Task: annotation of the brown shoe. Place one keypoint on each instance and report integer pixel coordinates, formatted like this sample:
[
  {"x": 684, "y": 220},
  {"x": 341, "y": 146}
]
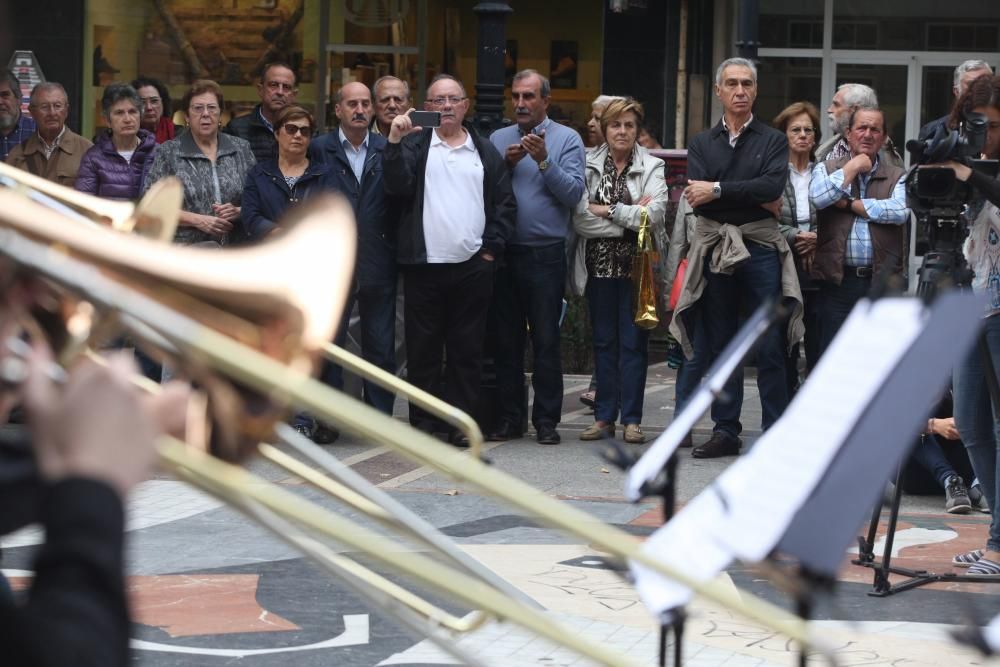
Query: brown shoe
[
  {"x": 633, "y": 434},
  {"x": 720, "y": 444},
  {"x": 597, "y": 431}
]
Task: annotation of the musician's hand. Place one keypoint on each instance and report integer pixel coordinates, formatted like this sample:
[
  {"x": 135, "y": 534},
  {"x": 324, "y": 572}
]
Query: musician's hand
[{"x": 96, "y": 426}]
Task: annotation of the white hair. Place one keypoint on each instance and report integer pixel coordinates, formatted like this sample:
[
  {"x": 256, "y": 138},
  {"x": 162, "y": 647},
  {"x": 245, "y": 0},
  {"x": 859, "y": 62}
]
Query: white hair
[
  {"x": 858, "y": 95},
  {"x": 970, "y": 66},
  {"x": 601, "y": 101},
  {"x": 735, "y": 62}
]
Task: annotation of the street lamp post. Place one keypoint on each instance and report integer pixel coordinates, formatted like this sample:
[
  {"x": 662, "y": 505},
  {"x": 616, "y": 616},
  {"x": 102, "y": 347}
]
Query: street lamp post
[{"x": 491, "y": 47}]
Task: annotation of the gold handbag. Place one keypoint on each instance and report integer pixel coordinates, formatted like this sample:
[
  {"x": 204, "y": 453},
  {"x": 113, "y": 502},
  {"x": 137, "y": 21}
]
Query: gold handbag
[{"x": 643, "y": 283}]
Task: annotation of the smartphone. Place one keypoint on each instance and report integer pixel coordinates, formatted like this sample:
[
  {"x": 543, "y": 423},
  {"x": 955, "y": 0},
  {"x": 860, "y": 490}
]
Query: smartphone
[{"x": 426, "y": 118}]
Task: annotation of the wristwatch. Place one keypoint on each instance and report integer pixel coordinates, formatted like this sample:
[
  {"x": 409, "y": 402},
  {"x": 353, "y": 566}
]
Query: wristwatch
[
  {"x": 716, "y": 190},
  {"x": 543, "y": 165}
]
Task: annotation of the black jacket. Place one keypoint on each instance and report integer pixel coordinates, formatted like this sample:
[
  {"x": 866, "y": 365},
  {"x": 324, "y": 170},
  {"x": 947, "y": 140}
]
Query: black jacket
[
  {"x": 404, "y": 165},
  {"x": 250, "y": 127},
  {"x": 266, "y": 195},
  {"x": 377, "y": 214}
]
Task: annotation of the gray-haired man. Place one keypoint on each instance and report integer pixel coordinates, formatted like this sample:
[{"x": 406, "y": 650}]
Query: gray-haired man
[
  {"x": 965, "y": 74},
  {"x": 849, "y": 98}
]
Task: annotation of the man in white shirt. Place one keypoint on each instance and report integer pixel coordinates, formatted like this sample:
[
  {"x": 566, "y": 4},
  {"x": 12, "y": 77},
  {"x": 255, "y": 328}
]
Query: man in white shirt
[{"x": 458, "y": 211}]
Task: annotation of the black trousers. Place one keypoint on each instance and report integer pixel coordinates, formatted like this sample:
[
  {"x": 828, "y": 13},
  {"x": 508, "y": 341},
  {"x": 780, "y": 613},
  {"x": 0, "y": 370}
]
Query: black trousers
[{"x": 445, "y": 307}]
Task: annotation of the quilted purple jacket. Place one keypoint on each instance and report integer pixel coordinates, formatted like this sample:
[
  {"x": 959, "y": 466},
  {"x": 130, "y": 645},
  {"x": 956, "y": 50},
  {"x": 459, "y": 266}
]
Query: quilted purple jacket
[{"x": 105, "y": 173}]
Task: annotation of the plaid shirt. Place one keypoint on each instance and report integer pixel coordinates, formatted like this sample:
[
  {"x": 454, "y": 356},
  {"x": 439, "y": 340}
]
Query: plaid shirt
[
  {"x": 826, "y": 189},
  {"x": 25, "y": 128}
]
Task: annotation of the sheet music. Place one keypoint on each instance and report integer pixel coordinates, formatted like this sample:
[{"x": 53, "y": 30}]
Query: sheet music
[{"x": 755, "y": 499}]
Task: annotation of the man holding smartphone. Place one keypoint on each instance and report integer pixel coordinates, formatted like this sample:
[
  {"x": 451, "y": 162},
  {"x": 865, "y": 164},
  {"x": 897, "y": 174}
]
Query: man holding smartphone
[
  {"x": 458, "y": 211},
  {"x": 546, "y": 162}
]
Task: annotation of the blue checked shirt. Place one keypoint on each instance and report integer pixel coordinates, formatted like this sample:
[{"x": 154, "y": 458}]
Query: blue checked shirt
[
  {"x": 24, "y": 129},
  {"x": 826, "y": 189}
]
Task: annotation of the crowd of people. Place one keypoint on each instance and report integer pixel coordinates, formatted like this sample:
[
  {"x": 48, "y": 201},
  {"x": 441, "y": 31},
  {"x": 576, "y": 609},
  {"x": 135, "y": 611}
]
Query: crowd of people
[{"x": 494, "y": 231}]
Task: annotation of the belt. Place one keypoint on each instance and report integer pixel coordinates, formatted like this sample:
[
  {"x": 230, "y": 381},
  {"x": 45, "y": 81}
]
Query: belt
[{"x": 858, "y": 271}]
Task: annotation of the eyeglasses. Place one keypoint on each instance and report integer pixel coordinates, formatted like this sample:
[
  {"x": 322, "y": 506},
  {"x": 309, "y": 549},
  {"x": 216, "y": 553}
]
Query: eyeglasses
[
  {"x": 441, "y": 101},
  {"x": 277, "y": 85},
  {"x": 292, "y": 130},
  {"x": 49, "y": 106},
  {"x": 204, "y": 110},
  {"x": 802, "y": 130},
  {"x": 152, "y": 101}
]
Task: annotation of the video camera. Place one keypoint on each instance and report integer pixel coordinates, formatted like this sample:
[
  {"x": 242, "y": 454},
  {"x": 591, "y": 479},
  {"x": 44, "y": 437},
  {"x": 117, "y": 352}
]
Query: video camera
[{"x": 939, "y": 199}]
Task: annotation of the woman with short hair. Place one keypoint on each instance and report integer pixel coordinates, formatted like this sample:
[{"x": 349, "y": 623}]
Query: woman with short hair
[
  {"x": 117, "y": 164},
  {"x": 211, "y": 165},
  {"x": 622, "y": 180},
  {"x": 155, "y": 107}
]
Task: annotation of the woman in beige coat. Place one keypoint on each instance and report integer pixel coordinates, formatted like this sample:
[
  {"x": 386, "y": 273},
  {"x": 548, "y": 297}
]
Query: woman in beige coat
[{"x": 622, "y": 179}]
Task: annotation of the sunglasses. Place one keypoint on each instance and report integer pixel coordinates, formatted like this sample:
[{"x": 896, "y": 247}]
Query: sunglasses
[{"x": 292, "y": 130}]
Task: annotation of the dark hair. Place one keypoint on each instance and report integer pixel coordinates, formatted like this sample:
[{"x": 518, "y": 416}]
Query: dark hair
[
  {"x": 200, "y": 87},
  {"x": 162, "y": 91},
  {"x": 277, "y": 63},
  {"x": 293, "y": 112},
  {"x": 620, "y": 106},
  {"x": 795, "y": 109},
  {"x": 115, "y": 93},
  {"x": 856, "y": 110},
  {"x": 8, "y": 77},
  {"x": 984, "y": 91}
]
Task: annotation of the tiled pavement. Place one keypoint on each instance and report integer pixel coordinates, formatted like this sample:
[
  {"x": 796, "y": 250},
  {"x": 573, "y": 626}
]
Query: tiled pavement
[{"x": 209, "y": 588}]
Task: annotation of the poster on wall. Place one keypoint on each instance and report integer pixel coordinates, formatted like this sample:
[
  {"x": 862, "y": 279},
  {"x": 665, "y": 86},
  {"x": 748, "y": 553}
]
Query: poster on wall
[
  {"x": 25, "y": 67},
  {"x": 564, "y": 57}
]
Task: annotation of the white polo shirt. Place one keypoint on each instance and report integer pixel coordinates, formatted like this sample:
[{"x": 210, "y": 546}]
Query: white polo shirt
[{"x": 454, "y": 216}]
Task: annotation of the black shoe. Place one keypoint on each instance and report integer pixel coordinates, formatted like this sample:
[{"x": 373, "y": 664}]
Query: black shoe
[
  {"x": 720, "y": 444},
  {"x": 506, "y": 431},
  {"x": 458, "y": 439},
  {"x": 546, "y": 434},
  {"x": 304, "y": 429},
  {"x": 956, "y": 496},
  {"x": 687, "y": 441},
  {"x": 325, "y": 434}
]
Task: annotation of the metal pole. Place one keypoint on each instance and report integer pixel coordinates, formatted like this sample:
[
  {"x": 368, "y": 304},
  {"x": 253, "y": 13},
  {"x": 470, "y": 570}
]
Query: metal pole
[
  {"x": 746, "y": 42},
  {"x": 491, "y": 48},
  {"x": 680, "y": 117}
]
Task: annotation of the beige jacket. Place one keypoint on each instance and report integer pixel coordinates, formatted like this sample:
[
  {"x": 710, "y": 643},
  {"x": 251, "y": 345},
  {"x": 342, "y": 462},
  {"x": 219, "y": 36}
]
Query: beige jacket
[
  {"x": 646, "y": 177},
  {"x": 61, "y": 168},
  {"x": 725, "y": 244}
]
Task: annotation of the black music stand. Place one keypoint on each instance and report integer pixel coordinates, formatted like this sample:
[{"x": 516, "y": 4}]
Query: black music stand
[{"x": 660, "y": 461}]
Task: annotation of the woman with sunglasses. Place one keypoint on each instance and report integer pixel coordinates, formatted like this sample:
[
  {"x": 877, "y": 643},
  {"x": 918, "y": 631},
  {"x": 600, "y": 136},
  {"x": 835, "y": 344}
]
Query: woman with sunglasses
[
  {"x": 211, "y": 165},
  {"x": 275, "y": 185}
]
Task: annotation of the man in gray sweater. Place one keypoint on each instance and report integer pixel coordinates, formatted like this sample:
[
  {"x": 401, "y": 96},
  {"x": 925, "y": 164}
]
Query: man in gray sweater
[{"x": 546, "y": 163}]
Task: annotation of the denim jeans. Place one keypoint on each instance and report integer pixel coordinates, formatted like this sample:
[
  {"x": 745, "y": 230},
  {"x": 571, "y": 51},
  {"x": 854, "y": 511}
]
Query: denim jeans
[
  {"x": 620, "y": 351},
  {"x": 755, "y": 280},
  {"x": 692, "y": 370},
  {"x": 977, "y": 423},
  {"x": 836, "y": 303},
  {"x": 528, "y": 292}
]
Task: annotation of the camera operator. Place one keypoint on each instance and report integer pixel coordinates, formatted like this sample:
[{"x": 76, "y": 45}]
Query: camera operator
[
  {"x": 978, "y": 425},
  {"x": 965, "y": 74}
]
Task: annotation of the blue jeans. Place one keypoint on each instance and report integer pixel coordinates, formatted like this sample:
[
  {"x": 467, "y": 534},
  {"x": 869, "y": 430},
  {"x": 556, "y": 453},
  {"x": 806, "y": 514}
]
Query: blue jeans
[
  {"x": 620, "y": 351},
  {"x": 836, "y": 303},
  {"x": 752, "y": 282},
  {"x": 692, "y": 370},
  {"x": 528, "y": 291},
  {"x": 977, "y": 423}
]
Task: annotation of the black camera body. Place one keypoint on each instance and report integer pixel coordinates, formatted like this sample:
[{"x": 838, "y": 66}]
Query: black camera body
[{"x": 939, "y": 199}]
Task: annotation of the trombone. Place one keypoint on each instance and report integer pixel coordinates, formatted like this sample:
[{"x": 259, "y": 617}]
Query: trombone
[{"x": 279, "y": 377}]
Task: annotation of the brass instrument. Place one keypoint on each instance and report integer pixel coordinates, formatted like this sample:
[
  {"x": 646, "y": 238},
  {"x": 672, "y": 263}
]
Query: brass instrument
[{"x": 259, "y": 319}]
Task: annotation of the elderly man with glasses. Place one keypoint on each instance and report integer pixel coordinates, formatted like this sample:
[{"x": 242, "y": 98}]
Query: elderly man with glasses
[
  {"x": 458, "y": 211},
  {"x": 277, "y": 89},
  {"x": 54, "y": 151}
]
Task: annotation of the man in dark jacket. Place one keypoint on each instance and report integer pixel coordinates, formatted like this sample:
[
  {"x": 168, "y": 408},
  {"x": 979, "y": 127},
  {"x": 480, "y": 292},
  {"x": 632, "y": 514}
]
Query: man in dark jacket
[
  {"x": 277, "y": 89},
  {"x": 458, "y": 211},
  {"x": 354, "y": 155}
]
